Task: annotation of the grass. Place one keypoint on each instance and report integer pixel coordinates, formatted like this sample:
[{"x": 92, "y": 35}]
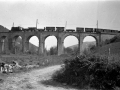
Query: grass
[
  {"x": 34, "y": 59},
  {"x": 29, "y": 60},
  {"x": 110, "y": 49}
]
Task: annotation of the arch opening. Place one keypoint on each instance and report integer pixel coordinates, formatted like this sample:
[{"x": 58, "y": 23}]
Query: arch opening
[
  {"x": 3, "y": 44},
  {"x": 89, "y": 44},
  {"x": 71, "y": 45},
  {"x": 33, "y": 45},
  {"x": 17, "y": 44},
  {"x": 51, "y": 45}
]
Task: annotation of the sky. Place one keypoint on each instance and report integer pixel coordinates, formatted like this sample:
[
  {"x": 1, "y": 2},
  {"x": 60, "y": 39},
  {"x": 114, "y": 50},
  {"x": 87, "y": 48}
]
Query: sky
[{"x": 77, "y": 13}]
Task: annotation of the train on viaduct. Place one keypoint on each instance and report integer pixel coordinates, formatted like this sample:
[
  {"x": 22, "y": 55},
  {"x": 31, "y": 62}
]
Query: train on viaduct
[{"x": 8, "y": 39}]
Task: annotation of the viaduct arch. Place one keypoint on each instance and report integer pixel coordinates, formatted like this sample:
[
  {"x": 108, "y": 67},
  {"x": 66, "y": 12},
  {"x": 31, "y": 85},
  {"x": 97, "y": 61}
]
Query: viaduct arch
[{"x": 7, "y": 39}]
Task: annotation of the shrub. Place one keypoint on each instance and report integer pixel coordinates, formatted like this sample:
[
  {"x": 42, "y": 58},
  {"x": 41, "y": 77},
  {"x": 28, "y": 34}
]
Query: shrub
[
  {"x": 74, "y": 72},
  {"x": 95, "y": 71},
  {"x": 104, "y": 76}
]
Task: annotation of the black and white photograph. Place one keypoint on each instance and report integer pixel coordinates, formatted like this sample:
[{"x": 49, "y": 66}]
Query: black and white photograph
[{"x": 59, "y": 44}]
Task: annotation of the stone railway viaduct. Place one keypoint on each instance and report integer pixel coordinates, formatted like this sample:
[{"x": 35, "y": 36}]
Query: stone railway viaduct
[{"x": 8, "y": 39}]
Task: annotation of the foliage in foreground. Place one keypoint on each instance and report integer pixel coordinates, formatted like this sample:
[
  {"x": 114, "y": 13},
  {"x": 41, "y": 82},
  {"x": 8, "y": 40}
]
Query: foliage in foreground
[{"x": 99, "y": 72}]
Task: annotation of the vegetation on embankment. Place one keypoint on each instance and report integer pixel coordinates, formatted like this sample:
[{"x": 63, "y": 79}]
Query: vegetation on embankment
[
  {"x": 96, "y": 71},
  {"x": 113, "y": 40},
  {"x": 111, "y": 47}
]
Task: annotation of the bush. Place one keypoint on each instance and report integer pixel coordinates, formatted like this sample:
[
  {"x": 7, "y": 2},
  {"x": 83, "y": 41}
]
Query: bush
[
  {"x": 104, "y": 76},
  {"x": 74, "y": 72},
  {"x": 94, "y": 71}
]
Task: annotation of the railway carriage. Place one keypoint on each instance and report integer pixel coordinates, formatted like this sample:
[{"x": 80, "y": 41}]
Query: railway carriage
[
  {"x": 32, "y": 29},
  {"x": 88, "y": 29},
  {"x": 50, "y": 28},
  {"x": 79, "y": 29},
  {"x": 107, "y": 31},
  {"x": 115, "y": 31},
  {"x": 41, "y": 29},
  {"x": 60, "y": 29},
  {"x": 98, "y": 30},
  {"x": 13, "y": 29}
]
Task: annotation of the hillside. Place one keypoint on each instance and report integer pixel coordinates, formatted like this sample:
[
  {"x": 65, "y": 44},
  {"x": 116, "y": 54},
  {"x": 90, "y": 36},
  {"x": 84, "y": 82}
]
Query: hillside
[
  {"x": 113, "y": 48},
  {"x": 85, "y": 45},
  {"x": 3, "y": 29}
]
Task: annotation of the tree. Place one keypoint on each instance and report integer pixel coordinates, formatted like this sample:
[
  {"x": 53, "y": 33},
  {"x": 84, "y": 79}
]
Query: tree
[
  {"x": 68, "y": 50},
  {"x": 52, "y": 51}
]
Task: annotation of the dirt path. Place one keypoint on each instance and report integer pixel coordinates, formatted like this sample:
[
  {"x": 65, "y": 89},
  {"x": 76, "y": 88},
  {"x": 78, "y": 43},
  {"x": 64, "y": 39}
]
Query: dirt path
[{"x": 32, "y": 80}]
